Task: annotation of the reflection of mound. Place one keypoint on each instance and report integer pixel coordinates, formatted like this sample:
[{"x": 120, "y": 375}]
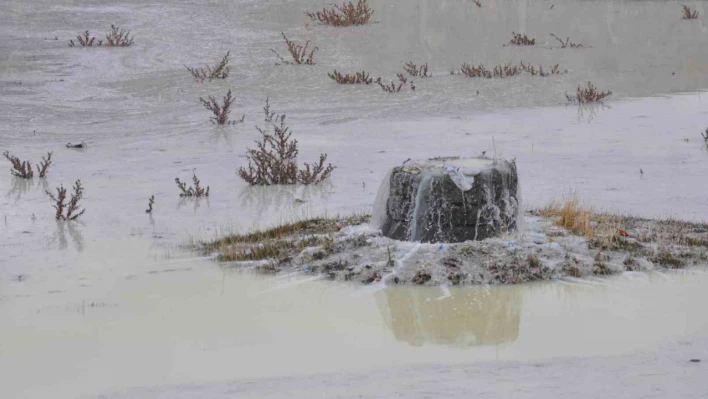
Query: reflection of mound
[{"x": 468, "y": 317}]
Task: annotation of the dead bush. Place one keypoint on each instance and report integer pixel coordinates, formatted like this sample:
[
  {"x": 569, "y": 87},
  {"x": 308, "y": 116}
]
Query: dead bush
[
  {"x": 554, "y": 70},
  {"x": 297, "y": 52},
  {"x": 23, "y": 169},
  {"x": 85, "y": 40},
  {"x": 588, "y": 94},
  {"x": 521, "y": 40},
  {"x": 118, "y": 37},
  {"x": 219, "y": 71},
  {"x": 417, "y": 71},
  {"x": 705, "y": 137},
  {"x": 221, "y": 111},
  {"x": 357, "y": 78},
  {"x": 151, "y": 201},
  {"x": 274, "y": 161},
  {"x": 567, "y": 42},
  {"x": 345, "y": 15},
  {"x": 196, "y": 191},
  {"x": 72, "y": 207},
  {"x": 688, "y": 13}
]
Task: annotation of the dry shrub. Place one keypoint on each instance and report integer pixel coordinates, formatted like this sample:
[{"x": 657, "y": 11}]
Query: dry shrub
[
  {"x": 392, "y": 88},
  {"x": 478, "y": 3},
  {"x": 357, "y": 78},
  {"x": 85, "y": 40},
  {"x": 219, "y": 71},
  {"x": 72, "y": 208},
  {"x": 221, "y": 111},
  {"x": 345, "y": 15},
  {"x": 589, "y": 94},
  {"x": 417, "y": 71},
  {"x": 196, "y": 191},
  {"x": 506, "y": 70},
  {"x": 297, "y": 52},
  {"x": 554, "y": 70},
  {"x": 274, "y": 161},
  {"x": 567, "y": 42},
  {"x": 118, "y": 37},
  {"x": 23, "y": 169},
  {"x": 705, "y": 137},
  {"x": 688, "y": 13},
  {"x": 521, "y": 40}
]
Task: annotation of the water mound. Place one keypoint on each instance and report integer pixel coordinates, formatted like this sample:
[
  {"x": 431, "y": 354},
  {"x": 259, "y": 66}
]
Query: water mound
[{"x": 448, "y": 200}]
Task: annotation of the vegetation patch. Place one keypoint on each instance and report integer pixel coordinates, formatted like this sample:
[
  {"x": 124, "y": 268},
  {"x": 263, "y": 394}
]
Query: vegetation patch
[
  {"x": 220, "y": 111},
  {"x": 347, "y": 14},
  {"x": 23, "y": 169},
  {"x": 218, "y": 71},
  {"x": 192, "y": 191},
  {"x": 566, "y": 43},
  {"x": 298, "y": 53},
  {"x": 589, "y": 94},
  {"x": 68, "y": 210},
  {"x": 357, "y": 78},
  {"x": 518, "y": 39},
  {"x": 687, "y": 13}
]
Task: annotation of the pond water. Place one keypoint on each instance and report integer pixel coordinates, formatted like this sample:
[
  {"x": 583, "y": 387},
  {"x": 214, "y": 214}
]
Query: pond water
[{"x": 112, "y": 301}]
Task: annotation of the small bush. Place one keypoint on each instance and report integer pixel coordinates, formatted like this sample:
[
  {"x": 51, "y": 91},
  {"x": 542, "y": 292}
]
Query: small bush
[
  {"x": 196, "y": 191},
  {"x": 357, "y": 78},
  {"x": 589, "y": 94},
  {"x": 554, "y": 70},
  {"x": 345, "y": 15},
  {"x": 85, "y": 40},
  {"x": 274, "y": 161},
  {"x": 507, "y": 70},
  {"x": 392, "y": 88},
  {"x": 521, "y": 40},
  {"x": 23, "y": 169},
  {"x": 567, "y": 42},
  {"x": 688, "y": 13},
  {"x": 118, "y": 37},
  {"x": 297, "y": 52},
  {"x": 221, "y": 111},
  {"x": 72, "y": 208},
  {"x": 219, "y": 71},
  {"x": 416, "y": 71}
]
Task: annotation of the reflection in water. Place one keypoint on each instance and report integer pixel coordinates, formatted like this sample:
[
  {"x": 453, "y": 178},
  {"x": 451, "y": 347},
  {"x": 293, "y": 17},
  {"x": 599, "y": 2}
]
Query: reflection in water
[
  {"x": 281, "y": 198},
  {"x": 21, "y": 186},
  {"x": 588, "y": 112},
  {"x": 459, "y": 317},
  {"x": 71, "y": 227},
  {"x": 196, "y": 202}
]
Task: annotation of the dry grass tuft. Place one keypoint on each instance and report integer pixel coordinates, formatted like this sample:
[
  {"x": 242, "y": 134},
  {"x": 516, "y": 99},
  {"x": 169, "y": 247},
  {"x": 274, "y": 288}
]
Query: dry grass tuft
[
  {"x": 358, "y": 78},
  {"x": 297, "y": 52},
  {"x": 219, "y": 71},
  {"x": 221, "y": 111},
  {"x": 72, "y": 208},
  {"x": 345, "y": 15},
  {"x": 417, "y": 71},
  {"x": 274, "y": 161},
  {"x": 688, "y": 13},
  {"x": 23, "y": 169},
  {"x": 118, "y": 37},
  {"x": 571, "y": 215},
  {"x": 196, "y": 191},
  {"x": 85, "y": 40},
  {"x": 521, "y": 40},
  {"x": 589, "y": 94},
  {"x": 567, "y": 43}
]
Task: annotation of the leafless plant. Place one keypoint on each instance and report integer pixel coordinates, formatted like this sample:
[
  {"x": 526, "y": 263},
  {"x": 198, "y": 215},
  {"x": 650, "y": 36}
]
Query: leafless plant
[
  {"x": 502, "y": 71},
  {"x": 478, "y": 71},
  {"x": 357, "y": 78},
  {"x": 416, "y": 71},
  {"x": 196, "y": 191},
  {"x": 151, "y": 201},
  {"x": 554, "y": 70},
  {"x": 688, "y": 13},
  {"x": 705, "y": 136},
  {"x": 274, "y": 161},
  {"x": 118, "y": 37},
  {"x": 221, "y": 111},
  {"x": 23, "y": 169},
  {"x": 478, "y": 3},
  {"x": 392, "y": 88},
  {"x": 219, "y": 71},
  {"x": 72, "y": 208},
  {"x": 521, "y": 40},
  {"x": 567, "y": 42},
  {"x": 297, "y": 52},
  {"x": 345, "y": 15},
  {"x": 266, "y": 110},
  {"x": 589, "y": 94},
  {"x": 85, "y": 40},
  {"x": 44, "y": 165}
]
